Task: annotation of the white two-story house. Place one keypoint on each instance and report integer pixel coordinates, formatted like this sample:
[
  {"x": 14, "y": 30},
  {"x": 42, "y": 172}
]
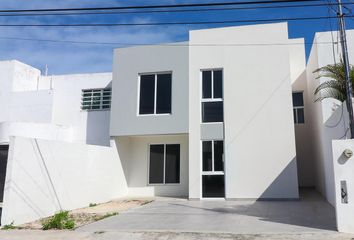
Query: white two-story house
[
  {"x": 227, "y": 114},
  {"x": 208, "y": 118}
]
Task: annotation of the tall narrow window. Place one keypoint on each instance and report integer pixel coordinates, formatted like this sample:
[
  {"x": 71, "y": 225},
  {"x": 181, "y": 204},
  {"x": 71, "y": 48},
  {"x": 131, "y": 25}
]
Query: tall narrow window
[
  {"x": 212, "y": 96},
  {"x": 213, "y": 156},
  {"x": 96, "y": 99},
  {"x": 164, "y": 165},
  {"x": 155, "y": 93},
  {"x": 298, "y": 108},
  {"x": 213, "y": 181}
]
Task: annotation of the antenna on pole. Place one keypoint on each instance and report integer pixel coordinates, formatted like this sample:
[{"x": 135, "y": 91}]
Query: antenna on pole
[
  {"x": 349, "y": 92},
  {"x": 46, "y": 70}
]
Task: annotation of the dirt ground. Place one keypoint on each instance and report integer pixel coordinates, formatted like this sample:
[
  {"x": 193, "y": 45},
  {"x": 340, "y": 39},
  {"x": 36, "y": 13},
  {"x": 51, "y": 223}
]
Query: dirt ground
[{"x": 94, "y": 213}]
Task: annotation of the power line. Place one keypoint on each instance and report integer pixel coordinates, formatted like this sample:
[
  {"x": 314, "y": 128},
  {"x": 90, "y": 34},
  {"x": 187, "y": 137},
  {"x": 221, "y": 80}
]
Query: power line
[
  {"x": 157, "y": 6},
  {"x": 163, "y": 45},
  {"x": 170, "y": 10},
  {"x": 170, "y": 23}
]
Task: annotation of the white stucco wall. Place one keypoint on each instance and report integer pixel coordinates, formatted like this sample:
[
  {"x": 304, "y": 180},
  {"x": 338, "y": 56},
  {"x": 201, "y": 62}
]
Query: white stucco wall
[
  {"x": 128, "y": 63},
  {"x": 91, "y": 127},
  {"x": 31, "y": 106},
  {"x": 304, "y": 149},
  {"x": 343, "y": 171},
  {"x": 260, "y": 158},
  {"x": 15, "y": 76},
  {"x": 46, "y": 176},
  {"x": 35, "y": 130},
  {"x": 28, "y": 97},
  {"x": 325, "y": 119},
  {"x": 134, "y": 154}
]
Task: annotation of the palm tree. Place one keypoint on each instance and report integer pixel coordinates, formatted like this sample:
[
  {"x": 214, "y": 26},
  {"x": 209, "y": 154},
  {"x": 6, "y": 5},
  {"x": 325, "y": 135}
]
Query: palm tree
[{"x": 335, "y": 87}]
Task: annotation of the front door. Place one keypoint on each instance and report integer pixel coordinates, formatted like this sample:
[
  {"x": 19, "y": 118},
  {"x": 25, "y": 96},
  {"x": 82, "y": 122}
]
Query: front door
[{"x": 213, "y": 176}]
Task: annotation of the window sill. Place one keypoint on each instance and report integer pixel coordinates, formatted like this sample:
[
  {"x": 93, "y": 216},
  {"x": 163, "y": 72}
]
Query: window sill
[
  {"x": 211, "y": 123},
  {"x": 154, "y": 115},
  {"x": 94, "y": 110},
  {"x": 163, "y": 184}
]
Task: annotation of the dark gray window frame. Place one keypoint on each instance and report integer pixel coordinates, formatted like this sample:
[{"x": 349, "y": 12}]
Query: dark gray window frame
[
  {"x": 297, "y": 109},
  {"x": 164, "y": 167},
  {"x": 155, "y": 94},
  {"x": 212, "y": 99}
]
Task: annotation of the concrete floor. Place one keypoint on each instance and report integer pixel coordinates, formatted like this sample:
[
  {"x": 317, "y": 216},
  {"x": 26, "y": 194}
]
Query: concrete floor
[
  {"x": 75, "y": 235},
  {"x": 309, "y": 215}
]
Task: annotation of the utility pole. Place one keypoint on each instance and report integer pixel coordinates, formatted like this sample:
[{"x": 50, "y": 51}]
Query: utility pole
[{"x": 343, "y": 39}]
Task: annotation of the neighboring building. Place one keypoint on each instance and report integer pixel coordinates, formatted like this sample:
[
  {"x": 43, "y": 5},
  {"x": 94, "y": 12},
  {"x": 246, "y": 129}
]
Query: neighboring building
[
  {"x": 51, "y": 107},
  {"x": 326, "y": 120},
  {"x": 211, "y": 117}
]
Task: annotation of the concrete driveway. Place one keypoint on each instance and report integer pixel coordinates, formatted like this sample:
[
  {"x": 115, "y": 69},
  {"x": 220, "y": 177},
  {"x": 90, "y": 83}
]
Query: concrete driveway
[{"x": 309, "y": 215}]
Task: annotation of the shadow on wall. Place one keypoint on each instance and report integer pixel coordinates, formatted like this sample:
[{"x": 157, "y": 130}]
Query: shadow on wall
[
  {"x": 276, "y": 190},
  {"x": 303, "y": 135},
  {"x": 97, "y": 126}
]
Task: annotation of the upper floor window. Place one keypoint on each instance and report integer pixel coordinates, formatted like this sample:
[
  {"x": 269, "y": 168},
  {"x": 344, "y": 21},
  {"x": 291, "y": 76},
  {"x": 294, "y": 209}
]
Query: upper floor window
[
  {"x": 155, "y": 93},
  {"x": 298, "y": 108},
  {"x": 212, "y": 96},
  {"x": 96, "y": 99}
]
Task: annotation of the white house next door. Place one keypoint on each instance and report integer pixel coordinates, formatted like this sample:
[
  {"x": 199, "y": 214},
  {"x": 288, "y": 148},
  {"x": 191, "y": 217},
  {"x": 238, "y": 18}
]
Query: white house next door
[{"x": 213, "y": 177}]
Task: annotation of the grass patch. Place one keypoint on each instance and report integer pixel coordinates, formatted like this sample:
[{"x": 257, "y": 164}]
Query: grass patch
[
  {"x": 92, "y": 204},
  {"x": 9, "y": 226},
  {"x": 60, "y": 220},
  {"x": 98, "y": 218}
]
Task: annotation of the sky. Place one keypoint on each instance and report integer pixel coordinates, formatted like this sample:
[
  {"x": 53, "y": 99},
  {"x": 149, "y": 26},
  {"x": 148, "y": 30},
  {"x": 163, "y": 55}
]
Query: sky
[{"x": 66, "y": 58}]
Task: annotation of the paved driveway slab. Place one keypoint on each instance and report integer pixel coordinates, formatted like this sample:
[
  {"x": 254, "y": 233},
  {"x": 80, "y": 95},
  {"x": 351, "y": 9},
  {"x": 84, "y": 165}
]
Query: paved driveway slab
[{"x": 309, "y": 215}]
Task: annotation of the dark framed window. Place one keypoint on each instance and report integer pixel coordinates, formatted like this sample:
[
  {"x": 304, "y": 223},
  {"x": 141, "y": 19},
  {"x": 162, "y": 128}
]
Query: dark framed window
[
  {"x": 155, "y": 95},
  {"x": 96, "y": 99},
  {"x": 212, "y": 112},
  {"x": 212, "y": 96},
  {"x": 298, "y": 108},
  {"x": 213, "y": 156},
  {"x": 164, "y": 164},
  {"x": 213, "y": 180}
]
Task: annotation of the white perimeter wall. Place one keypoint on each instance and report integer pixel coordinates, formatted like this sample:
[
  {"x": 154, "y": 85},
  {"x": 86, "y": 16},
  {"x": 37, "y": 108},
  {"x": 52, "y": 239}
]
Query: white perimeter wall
[
  {"x": 343, "y": 171},
  {"x": 325, "y": 119},
  {"x": 46, "y": 176},
  {"x": 134, "y": 154},
  {"x": 260, "y": 158}
]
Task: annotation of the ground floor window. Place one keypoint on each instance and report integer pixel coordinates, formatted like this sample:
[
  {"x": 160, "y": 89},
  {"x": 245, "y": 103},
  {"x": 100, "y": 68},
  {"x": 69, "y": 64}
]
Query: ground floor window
[
  {"x": 213, "y": 180},
  {"x": 164, "y": 164}
]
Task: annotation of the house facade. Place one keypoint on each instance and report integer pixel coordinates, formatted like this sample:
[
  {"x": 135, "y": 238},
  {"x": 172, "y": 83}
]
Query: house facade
[
  {"x": 208, "y": 118},
  {"x": 226, "y": 115}
]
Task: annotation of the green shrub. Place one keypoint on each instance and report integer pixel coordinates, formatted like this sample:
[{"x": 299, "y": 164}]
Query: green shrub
[
  {"x": 60, "y": 220},
  {"x": 93, "y": 205},
  {"x": 9, "y": 226}
]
